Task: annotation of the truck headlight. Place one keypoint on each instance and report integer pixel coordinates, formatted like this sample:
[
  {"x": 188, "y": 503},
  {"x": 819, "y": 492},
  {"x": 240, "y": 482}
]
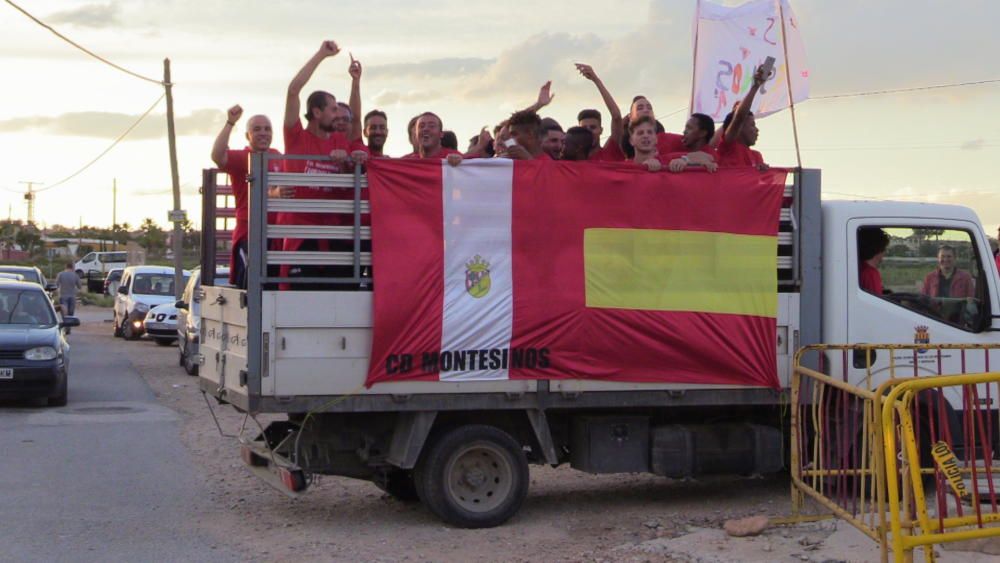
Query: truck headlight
[{"x": 41, "y": 353}]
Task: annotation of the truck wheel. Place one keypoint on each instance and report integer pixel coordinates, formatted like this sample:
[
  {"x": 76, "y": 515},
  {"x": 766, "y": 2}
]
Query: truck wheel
[
  {"x": 398, "y": 483},
  {"x": 474, "y": 476}
]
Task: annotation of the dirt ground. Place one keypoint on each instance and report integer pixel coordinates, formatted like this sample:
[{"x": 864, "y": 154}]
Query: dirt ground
[{"x": 568, "y": 515}]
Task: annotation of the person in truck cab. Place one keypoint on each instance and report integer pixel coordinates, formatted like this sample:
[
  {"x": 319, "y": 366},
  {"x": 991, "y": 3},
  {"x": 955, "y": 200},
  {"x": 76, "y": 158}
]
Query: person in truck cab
[
  {"x": 946, "y": 280},
  {"x": 872, "y": 243}
]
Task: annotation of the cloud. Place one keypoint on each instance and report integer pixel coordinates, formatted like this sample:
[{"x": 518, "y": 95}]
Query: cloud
[
  {"x": 96, "y": 16},
  {"x": 393, "y": 97},
  {"x": 106, "y": 125},
  {"x": 433, "y": 68}
]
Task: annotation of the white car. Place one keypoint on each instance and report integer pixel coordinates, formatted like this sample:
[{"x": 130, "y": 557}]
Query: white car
[
  {"x": 141, "y": 289},
  {"x": 161, "y": 324}
]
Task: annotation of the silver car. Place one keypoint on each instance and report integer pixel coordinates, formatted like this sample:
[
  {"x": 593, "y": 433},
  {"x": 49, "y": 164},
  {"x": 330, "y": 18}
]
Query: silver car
[{"x": 189, "y": 318}]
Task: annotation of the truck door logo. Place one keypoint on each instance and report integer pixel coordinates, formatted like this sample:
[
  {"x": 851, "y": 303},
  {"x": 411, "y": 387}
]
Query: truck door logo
[
  {"x": 921, "y": 336},
  {"x": 477, "y": 277}
]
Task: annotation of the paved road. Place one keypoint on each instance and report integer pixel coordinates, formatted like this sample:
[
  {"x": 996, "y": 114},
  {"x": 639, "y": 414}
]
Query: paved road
[{"x": 104, "y": 478}]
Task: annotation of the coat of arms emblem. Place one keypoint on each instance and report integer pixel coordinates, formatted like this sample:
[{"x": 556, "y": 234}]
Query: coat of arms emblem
[{"x": 477, "y": 277}]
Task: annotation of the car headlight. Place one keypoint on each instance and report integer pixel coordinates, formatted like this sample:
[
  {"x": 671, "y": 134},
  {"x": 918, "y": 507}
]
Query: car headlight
[
  {"x": 41, "y": 353},
  {"x": 150, "y": 315},
  {"x": 142, "y": 307}
]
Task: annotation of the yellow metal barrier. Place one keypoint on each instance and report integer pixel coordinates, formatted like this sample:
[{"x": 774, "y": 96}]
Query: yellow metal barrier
[{"x": 873, "y": 425}]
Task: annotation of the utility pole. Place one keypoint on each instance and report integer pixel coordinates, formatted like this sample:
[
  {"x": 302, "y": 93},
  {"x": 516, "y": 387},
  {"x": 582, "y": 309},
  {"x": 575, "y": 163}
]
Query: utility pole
[
  {"x": 114, "y": 213},
  {"x": 177, "y": 215},
  {"x": 29, "y": 197}
]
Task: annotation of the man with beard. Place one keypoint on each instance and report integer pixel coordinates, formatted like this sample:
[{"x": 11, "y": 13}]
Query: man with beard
[
  {"x": 376, "y": 130},
  {"x": 428, "y": 131},
  {"x": 235, "y": 163},
  {"x": 319, "y": 137},
  {"x": 553, "y": 137}
]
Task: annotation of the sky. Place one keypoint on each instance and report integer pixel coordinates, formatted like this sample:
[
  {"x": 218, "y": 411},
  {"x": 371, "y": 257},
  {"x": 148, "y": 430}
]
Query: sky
[{"x": 473, "y": 63}]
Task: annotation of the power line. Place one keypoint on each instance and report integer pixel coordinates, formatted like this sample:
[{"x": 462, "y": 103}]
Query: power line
[
  {"x": 107, "y": 150},
  {"x": 902, "y": 90},
  {"x": 80, "y": 47}
]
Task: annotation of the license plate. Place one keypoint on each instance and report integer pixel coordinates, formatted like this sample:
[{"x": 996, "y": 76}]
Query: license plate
[{"x": 6, "y": 373}]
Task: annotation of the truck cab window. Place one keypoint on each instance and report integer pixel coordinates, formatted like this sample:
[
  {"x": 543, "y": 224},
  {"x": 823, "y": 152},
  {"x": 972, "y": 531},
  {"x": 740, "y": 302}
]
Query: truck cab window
[{"x": 935, "y": 272}]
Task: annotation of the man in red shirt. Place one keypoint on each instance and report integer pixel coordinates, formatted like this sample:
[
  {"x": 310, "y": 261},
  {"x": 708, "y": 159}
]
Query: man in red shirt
[
  {"x": 235, "y": 164},
  {"x": 739, "y": 131},
  {"x": 376, "y": 129},
  {"x": 553, "y": 138},
  {"x": 872, "y": 243},
  {"x": 642, "y": 136},
  {"x": 526, "y": 133},
  {"x": 591, "y": 119},
  {"x": 579, "y": 142},
  {"x": 428, "y": 131},
  {"x": 319, "y": 137}
]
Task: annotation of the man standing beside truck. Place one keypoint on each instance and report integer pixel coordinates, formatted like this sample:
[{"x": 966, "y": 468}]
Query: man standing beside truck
[
  {"x": 68, "y": 283},
  {"x": 236, "y": 163}
]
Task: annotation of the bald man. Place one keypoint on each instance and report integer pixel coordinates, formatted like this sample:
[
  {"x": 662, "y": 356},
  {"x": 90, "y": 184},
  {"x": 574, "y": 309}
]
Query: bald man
[{"x": 235, "y": 163}]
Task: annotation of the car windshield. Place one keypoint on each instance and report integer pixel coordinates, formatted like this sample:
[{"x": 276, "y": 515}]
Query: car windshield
[
  {"x": 25, "y": 307},
  {"x": 29, "y": 275},
  {"x": 154, "y": 284}
]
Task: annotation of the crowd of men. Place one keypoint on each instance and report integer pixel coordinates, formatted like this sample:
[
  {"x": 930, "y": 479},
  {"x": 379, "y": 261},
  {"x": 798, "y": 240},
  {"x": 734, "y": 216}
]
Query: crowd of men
[{"x": 337, "y": 129}]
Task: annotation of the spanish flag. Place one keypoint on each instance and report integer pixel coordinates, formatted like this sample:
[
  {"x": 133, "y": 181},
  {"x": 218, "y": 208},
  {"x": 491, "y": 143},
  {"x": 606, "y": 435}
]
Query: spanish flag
[{"x": 497, "y": 269}]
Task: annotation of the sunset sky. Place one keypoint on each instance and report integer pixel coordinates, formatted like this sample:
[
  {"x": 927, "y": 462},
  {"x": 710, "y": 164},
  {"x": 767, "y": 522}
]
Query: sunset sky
[{"x": 473, "y": 63}]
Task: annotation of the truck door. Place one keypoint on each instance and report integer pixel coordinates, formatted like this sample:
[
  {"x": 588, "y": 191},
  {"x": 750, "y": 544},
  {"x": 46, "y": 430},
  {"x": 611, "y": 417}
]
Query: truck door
[{"x": 939, "y": 287}]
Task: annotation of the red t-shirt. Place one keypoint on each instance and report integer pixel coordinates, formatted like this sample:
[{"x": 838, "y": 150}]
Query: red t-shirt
[
  {"x": 732, "y": 153},
  {"x": 237, "y": 163},
  {"x": 610, "y": 152},
  {"x": 667, "y": 143},
  {"x": 870, "y": 279},
  {"x": 442, "y": 154},
  {"x": 300, "y": 141}
]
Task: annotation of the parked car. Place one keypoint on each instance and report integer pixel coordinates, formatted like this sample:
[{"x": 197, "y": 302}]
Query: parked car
[
  {"x": 112, "y": 282},
  {"x": 10, "y": 276},
  {"x": 31, "y": 274},
  {"x": 141, "y": 289},
  {"x": 161, "y": 324},
  {"x": 34, "y": 354},
  {"x": 189, "y": 318},
  {"x": 100, "y": 262}
]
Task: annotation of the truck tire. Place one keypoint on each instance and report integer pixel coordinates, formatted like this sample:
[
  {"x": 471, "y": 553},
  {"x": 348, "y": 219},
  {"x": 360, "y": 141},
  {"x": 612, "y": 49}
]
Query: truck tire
[
  {"x": 399, "y": 484},
  {"x": 473, "y": 476}
]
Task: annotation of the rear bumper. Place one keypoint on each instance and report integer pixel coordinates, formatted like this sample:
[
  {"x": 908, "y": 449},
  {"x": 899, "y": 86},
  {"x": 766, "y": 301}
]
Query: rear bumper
[{"x": 33, "y": 380}]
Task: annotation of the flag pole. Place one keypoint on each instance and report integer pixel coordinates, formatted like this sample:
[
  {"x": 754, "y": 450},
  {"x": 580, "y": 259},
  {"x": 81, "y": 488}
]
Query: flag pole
[
  {"x": 694, "y": 63},
  {"x": 788, "y": 80}
]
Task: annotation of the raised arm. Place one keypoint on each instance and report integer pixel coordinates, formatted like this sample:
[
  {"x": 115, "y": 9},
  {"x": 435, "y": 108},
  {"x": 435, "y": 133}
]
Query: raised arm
[
  {"x": 292, "y": 103},
  {"x": 545, "y": 97},
  {"x": 740, "y": 117},
  {"x": 355, "y": 102},
  {"x": 220, "y": 149},
  {"x": 617, "y": 124}
]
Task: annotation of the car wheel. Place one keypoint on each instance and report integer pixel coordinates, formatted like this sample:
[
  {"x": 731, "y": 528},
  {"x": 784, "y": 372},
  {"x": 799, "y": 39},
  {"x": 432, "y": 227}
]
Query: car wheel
[
  {"x": 60, "y": 399},
  {"x": 164, "y": 341},
  {"x": 118, "y": 328},
  {"x": 473, "y": 476},
  {"x": 190, "y": 366},
  {"x": 128, "y": 331}
]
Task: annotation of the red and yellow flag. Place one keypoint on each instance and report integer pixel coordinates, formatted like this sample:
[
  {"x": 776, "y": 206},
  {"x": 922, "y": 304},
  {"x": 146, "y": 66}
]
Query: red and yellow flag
[{"x": 505, "y": 270}]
